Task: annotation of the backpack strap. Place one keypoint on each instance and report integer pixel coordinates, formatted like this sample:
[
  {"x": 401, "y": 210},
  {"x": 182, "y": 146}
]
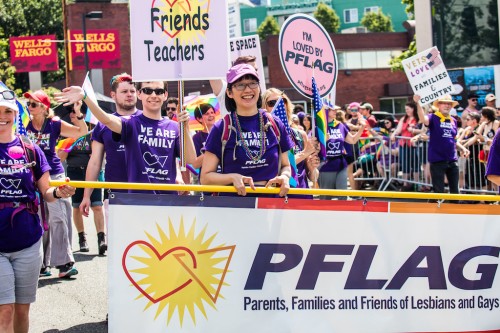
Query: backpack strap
[
  {"x": 31, "y": 157},
  {"x": 227, "y": 127}
]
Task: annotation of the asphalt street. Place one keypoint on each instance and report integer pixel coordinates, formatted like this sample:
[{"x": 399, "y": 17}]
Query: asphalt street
[{"x": 78, "y": 304}]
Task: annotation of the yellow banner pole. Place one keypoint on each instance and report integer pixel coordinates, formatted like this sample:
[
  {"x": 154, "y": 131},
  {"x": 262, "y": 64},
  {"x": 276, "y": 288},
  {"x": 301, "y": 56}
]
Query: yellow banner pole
[{"x": 273, "y": 190}]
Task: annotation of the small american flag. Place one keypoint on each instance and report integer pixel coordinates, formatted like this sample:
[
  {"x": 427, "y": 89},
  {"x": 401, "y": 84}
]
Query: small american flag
[{"x": 280, "y": 112}]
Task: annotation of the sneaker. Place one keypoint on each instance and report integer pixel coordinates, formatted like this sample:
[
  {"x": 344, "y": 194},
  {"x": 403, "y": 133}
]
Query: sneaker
[
  {"x": 82, "y": 240},
  {"x": 101, "y": 243},
  {"x": 45, "y": 271},
  {"x": 66, "y": 271}
]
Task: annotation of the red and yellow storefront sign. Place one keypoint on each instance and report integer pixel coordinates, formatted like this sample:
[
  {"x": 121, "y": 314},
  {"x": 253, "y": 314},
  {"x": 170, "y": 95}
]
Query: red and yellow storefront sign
[
  {"x": 103, "y": 48},
  {"x": 34, "y": 53}
]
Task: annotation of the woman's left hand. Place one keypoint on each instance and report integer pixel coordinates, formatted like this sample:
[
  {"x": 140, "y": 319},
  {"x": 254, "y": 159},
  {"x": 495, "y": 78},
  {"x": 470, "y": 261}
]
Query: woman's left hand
[{"x": 283, "y": 182}]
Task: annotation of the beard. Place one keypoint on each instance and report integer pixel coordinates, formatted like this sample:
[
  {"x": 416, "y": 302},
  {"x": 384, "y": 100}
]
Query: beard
[{"x": 125, "y": 107}]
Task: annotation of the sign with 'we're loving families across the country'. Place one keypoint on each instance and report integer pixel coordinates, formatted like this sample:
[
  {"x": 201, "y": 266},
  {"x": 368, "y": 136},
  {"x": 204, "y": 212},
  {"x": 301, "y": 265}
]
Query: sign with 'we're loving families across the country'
[
  {"x": 428, "y": 76},
  {"x": 306, "y": 50},
  {"x": 178, "y": 39}
]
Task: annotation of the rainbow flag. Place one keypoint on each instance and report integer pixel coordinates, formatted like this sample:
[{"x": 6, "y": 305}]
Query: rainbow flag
[
  {"x": 320, "y": 122},
  {"x": 68, "y": 144},
  {"x": 192, "y": 103}
]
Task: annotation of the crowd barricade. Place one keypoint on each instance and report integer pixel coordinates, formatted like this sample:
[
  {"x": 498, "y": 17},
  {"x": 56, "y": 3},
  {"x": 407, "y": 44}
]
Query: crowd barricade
[
  {"x": 373, "y": 158},
  {"x": 472, "y": 172}
]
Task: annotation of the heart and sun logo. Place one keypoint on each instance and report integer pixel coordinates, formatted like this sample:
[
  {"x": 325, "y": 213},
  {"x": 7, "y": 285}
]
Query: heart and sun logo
[{"x": 180, "y": 271}]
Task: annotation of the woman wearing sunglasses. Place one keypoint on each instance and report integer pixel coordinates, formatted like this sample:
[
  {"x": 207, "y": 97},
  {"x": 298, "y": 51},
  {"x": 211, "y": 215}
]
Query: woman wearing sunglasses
[
  {"x": 20, "y": 227},
  {"x": 44, "y": 129},
  {"x": 304, "y": 149},
  {"x": 248, "y": 147}
]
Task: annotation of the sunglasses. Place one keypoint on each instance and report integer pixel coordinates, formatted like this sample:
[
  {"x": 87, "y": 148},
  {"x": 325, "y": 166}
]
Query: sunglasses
[
  {"x": 149, "y": 91},
  {"x": 170, "y": 109},
  {"x": 474, "y": 99},
  {"x": 32, "y": 104},
  {"x": 8, "y": 94},
  {"x": 354, "y": 110},
  {"x": 243, "y": 86},
  {"x": 271, "y": 103}
]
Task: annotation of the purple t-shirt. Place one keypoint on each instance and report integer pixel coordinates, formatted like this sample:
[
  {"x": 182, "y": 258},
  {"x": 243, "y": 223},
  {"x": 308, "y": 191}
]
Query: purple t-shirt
[
  {"x": 442, "y": 135},
  {"x": 16, "y": 185},
  {"x": 199, "y": 140},
  {"x": 151, "y": 149},
  {"x": 335, "y": 148},
  {"x": 235, "y": 156},
  {"x": 115, "y": 169},
  {"x": 46, "y": 139},
  {"x": 493, "y": 165}
]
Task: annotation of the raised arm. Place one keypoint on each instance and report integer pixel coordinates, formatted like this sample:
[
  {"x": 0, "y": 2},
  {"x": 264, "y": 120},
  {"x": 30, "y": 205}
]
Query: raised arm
[
  {"x": 422, "y": 118},
  {"x": 74, "y": 94}
]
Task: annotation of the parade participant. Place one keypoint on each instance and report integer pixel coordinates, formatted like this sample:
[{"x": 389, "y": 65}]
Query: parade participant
[
  {"x": 442, "y": 149},
  {"x": 250, "y": 145},
  {"x": 171, "y": 107},
  {"x": 77, "y": 160},
  {"x": 105, "y": 143},
  {"x": 474, "y": 171},
  {"x": 306, "y": 123},
  {"x": 205, "y": 115},
  {"x": 352, "y": 151},
  {"x": 219, "y": 87},
  {"x": 44, "y": 129},
  {"x": 304, "y": 147},
  {"x": 333, "y": 174},
  {"x": 25, "y": 169},
  {"x": 152, "y": 142},
  {"x": 493, "y": 165},
  {"x": 408, "y": 152}
]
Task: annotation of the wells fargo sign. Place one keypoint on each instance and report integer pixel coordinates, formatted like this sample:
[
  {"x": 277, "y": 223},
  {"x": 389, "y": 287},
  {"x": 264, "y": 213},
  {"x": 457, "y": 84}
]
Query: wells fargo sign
[
  {"x": 34, "y": 53},
  {"x": 103, "y": 48}
]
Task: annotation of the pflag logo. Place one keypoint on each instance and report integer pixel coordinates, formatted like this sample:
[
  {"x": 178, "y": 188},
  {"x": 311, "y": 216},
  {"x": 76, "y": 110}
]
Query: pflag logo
[{"x": 179, "y": 270}]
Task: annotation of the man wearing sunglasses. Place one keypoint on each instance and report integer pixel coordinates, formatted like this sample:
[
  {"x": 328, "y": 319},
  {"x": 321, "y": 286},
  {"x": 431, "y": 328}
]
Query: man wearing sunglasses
[
  {"x": 471, "y": 107},
  {"x": 105, "y": 143},
  {"x": 152, "y": 142},
  {"x": 171, "y": 108}
]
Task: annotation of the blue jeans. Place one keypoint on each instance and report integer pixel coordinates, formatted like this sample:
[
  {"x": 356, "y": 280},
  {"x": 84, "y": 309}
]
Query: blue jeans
[{"x": 439, "y": 170}]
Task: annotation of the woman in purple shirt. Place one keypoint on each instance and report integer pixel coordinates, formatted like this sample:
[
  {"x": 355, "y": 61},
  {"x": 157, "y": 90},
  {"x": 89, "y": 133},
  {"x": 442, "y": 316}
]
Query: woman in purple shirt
[
  {"x": 493, "y": 165},
  {"x": 248, "y": 151},
  {"x": 44, "y": 129},
  {"x": 20, "y": 227}
]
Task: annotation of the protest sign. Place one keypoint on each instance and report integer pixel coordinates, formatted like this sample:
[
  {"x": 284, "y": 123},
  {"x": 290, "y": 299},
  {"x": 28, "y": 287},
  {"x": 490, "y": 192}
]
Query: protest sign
[
  {"x": 428, "y": 76},
  {"x": 34, "y": 53},
  {"x": 178, "y": 40},
  {"x": 305, "y": 47}
]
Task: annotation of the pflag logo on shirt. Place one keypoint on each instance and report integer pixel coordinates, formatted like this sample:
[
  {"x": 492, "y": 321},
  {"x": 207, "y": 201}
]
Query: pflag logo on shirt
[{"x": 178, "y": 271}]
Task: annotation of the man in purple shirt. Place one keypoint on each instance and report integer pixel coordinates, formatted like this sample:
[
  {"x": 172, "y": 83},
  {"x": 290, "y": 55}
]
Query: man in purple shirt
[
  {"x": 104, "y": 142},
  {"x": 151, "y": 141},
  {"x": 442, "y": 152}
]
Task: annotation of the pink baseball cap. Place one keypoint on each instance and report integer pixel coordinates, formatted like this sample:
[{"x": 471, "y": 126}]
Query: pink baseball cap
[
  {"x": 39, "y": 96},
  {"x": 354, "y": 105},
  {"x": 238, "y": 71}
]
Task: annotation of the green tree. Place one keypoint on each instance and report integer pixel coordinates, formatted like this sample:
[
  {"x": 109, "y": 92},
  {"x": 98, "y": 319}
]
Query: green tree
[
  {"x": 410, "y": 9},
  {"x": 268, "y": 27},
  {"x": 396, "y": 63},
  {"x": 327, "y": 17},
  {"x": 377, "y": 22},
  {"x": 412, "y": 48},
  {"x": 29, "y": 18}
]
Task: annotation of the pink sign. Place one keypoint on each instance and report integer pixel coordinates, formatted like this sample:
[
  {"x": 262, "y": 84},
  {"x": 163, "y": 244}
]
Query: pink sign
[{"x": 306, "y": 50}]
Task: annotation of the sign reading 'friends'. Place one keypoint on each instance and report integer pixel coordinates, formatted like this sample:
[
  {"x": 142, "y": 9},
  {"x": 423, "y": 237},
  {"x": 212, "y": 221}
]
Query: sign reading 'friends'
[
  {"x": 179, "y": 39},
  {"x": 306, "y": 48}
]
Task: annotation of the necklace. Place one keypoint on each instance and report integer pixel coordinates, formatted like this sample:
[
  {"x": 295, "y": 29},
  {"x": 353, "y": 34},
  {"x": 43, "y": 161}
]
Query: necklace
[{"x": 242, "y": 142}]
